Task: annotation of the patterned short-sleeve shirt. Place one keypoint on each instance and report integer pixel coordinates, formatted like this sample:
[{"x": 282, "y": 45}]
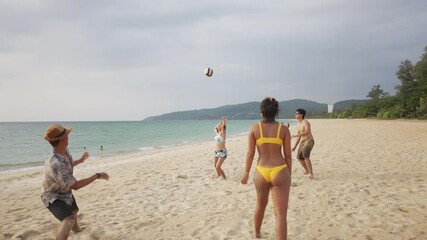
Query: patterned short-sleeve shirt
[{"x": 58, "y": 178}]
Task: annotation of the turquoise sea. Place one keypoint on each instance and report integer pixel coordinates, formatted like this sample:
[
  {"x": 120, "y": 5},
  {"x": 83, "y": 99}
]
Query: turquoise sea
[{"x": 22, "y": 144}]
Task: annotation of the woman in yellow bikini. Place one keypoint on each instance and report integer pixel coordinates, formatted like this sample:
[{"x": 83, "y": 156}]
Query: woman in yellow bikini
[{"x": 273, "y": 170}]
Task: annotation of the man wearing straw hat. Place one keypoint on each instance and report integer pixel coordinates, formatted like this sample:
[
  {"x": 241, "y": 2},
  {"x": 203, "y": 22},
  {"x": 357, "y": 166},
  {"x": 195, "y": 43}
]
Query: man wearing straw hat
[{"x": 59, "y": 180}]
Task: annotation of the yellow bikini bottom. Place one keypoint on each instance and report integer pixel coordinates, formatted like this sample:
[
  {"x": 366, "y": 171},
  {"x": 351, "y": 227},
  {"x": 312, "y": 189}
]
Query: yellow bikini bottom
[{"x": 270, "y": 173}]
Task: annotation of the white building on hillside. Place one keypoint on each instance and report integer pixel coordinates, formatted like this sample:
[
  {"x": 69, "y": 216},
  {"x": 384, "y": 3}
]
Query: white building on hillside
[{"x": 330, "y": 108}]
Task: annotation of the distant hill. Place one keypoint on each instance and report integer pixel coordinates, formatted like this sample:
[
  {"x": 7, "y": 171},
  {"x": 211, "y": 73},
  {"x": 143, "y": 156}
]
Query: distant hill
[
  {"x": 248, "y": 110},
  {"x": 348, "y": 104}
]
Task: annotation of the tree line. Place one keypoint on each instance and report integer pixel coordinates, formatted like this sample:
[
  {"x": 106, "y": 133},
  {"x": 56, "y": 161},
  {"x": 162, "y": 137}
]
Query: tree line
[{"x": 410, "y": 100}]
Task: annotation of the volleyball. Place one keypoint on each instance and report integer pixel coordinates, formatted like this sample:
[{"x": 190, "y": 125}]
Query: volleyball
[{"x": 209, "y": 72}]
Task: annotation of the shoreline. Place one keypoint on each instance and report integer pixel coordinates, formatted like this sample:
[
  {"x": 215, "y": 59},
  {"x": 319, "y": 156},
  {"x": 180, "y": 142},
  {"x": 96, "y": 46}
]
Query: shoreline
[
  {"x": 30, "y": 166},
  {"x": 115, "y": 137},
  {"x": 370, "y": 184},
  {"x": 23, "y": 167}
]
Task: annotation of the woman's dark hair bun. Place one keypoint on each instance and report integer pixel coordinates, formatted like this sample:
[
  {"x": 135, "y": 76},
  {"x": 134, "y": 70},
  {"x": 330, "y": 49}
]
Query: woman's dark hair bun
[{"x": 269, "y": 109}]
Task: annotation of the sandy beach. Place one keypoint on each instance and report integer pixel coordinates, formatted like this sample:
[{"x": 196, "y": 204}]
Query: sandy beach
[{"x": 371, "y": 183}]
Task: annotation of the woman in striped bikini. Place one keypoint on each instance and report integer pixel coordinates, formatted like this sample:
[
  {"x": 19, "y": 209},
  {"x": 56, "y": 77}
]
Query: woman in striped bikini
[{"x": 220, "y": 150}]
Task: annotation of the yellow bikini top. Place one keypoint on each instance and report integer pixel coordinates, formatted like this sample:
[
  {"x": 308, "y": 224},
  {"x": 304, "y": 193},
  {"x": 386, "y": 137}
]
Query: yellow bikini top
[{"x": 275, "y": 140}]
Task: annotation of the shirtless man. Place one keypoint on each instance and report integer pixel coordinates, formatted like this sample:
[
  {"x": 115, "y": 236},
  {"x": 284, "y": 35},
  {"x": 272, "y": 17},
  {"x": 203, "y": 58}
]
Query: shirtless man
[{"x": 307, "y": 142}]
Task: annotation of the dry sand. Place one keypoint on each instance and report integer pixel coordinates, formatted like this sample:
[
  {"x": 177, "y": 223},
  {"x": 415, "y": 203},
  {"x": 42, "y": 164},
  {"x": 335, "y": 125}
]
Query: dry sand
[{"x": 370, "y": 184}]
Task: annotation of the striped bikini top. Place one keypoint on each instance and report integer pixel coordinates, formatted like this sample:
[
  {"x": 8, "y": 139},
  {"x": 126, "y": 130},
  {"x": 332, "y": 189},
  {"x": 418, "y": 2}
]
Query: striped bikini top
[{"x": 274, "y": 140}]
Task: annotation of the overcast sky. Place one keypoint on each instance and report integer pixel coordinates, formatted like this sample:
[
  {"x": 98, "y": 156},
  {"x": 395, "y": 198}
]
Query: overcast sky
[{"x": 127, "y": 60}]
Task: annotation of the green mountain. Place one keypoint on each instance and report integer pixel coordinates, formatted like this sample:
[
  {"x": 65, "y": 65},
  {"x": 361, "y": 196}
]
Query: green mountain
[
  {"x": 349, "y": 104},
  {"x": 248, "y": 110}
]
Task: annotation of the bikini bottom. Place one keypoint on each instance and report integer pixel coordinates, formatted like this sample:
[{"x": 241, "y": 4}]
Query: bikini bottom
[{"x": 270, "y": 173}]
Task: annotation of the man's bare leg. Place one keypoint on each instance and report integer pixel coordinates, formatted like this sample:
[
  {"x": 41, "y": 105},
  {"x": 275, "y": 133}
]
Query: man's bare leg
[
  {"x": 309, "y": 167},
  {"x": 304, "y": 166},
  {"x": 67, "y": 225},
  {"x": 76, "y": 227}
]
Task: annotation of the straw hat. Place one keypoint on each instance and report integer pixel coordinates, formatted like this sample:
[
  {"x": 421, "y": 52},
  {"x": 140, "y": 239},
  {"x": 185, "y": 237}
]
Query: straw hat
[{"x": 56, "y": 132}]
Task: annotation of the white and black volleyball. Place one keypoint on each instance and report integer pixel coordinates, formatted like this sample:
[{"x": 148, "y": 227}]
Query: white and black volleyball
[{"x": 209, "y": 72}]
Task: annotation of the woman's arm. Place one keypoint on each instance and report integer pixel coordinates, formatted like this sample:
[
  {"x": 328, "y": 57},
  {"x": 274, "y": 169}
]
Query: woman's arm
[
  {"x": 287, "y": 149},
  {"x": 217, "y": 127}
]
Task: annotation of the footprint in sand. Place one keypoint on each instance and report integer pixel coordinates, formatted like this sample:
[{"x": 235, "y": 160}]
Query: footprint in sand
[
  {"x": 13, "y": 210},
  {"x": 8, "y": 235},
  {"x": 97, "y": 233},
  {"x": 403, "y": 209},
  {"x": 29, "y": 234},
  {"x": 196, "y": 232},
  {"x": 295, "y": 184},
  {"x": 150, "y": 223},
  {"x": 366, "y": 191}
]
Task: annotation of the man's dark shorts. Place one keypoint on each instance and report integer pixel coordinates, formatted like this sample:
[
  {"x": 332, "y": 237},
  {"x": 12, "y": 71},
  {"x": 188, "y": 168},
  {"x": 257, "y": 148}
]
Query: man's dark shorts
[
  {"x": 304, "y": 149},
  {"x": 61, "y": 210}
]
